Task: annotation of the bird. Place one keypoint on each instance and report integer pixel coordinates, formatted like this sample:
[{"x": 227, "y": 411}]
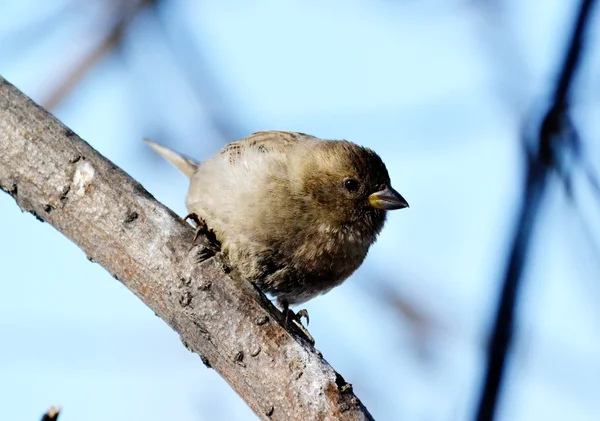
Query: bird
[{"x": 295, "y": 214}]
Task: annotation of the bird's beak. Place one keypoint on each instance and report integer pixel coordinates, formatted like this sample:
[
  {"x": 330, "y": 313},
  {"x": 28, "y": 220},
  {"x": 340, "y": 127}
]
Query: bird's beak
[{"x": 387, "y": 199}]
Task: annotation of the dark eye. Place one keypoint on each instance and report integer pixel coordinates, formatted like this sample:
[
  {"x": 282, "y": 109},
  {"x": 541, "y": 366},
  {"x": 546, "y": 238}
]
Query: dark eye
[{"x": 351, "y": 184}]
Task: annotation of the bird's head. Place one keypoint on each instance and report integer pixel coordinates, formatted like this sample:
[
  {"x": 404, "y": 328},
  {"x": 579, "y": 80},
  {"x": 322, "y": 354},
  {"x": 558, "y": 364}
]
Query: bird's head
[{"x": 347, "y": 184}]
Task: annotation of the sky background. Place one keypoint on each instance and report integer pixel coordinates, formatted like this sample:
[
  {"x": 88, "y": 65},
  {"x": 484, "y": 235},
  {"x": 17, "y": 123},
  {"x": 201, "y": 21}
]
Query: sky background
[{"x": 440, "y": 89}]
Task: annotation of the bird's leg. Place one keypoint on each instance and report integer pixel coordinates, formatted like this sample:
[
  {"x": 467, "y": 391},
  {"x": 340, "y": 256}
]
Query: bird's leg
[
  {"x": 295, "y": 319},
  {"x": 202, "y": 228},
  {"x": 290, "y": 315},
  {"x": 208, "y": 248}
]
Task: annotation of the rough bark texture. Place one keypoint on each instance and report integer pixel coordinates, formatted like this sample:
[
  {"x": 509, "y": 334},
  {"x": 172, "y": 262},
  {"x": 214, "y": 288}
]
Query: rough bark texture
[{"x": 62, "y": 180}]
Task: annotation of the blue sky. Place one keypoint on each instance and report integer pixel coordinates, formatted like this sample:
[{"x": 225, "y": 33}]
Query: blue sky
[{"x": 425, "y": 84}]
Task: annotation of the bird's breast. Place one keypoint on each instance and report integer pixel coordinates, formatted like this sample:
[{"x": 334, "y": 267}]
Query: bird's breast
[{"x": 331, "y": 253}]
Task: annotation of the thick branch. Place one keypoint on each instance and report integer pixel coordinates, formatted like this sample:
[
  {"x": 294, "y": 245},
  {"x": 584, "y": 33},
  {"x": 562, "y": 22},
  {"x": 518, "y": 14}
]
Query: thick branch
[{"x": 59, "y": 178}]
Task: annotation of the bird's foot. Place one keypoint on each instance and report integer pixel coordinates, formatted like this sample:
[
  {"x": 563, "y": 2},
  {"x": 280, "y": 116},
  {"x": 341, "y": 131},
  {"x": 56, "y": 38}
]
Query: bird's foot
[
  {"x": 204, "y": 238},
  {"x": 206, "y": 249},
  {"x": 297, "y": 317},
  {"x": 294, "y": 320}
]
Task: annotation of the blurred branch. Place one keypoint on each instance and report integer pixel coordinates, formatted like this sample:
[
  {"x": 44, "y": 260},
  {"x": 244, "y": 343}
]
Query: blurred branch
[
  {"x": 185, "y": 52},
  {"x": 555, "y": 138},
  {"x": 60, "y": 179},
  {"x": 191, "y": 61},
  {"x": 52, "y": 414},
  {"x": 196, "y": 69},
  {"x": 126, "y": 13},
  {"x": 421, "y": 324}
]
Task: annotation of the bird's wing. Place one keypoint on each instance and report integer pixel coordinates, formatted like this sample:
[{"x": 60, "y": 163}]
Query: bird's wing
[{"x": 265, "y": 142}]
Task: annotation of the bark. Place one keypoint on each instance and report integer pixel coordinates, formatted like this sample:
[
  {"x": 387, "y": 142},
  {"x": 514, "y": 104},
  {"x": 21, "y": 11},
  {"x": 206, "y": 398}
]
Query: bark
[{"x": 60, "y": 179}]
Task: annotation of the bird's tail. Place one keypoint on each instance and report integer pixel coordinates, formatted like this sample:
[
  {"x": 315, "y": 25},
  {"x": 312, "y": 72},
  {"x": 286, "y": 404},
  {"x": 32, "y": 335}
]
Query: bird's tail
[{"x": 186, "y": 165}]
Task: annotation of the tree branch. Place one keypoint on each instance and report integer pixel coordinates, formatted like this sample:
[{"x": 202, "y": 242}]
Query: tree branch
[{"x": 62, "y": 180}]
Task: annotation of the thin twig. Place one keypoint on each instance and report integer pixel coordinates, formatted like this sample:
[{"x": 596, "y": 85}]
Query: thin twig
[
  {"x": 112, "y": 39},
  {"x": 194, "y": 64}
]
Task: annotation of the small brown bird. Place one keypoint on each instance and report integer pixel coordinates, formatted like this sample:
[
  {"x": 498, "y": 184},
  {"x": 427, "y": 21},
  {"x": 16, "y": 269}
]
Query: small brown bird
[{"x": 296, "y": 214}]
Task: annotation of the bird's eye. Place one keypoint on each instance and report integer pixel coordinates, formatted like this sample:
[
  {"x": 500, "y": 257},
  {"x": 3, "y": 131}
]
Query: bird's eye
[{"x": 351, "y": 184}]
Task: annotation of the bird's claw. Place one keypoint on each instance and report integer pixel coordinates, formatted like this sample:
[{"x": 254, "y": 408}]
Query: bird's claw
[
  {"x": 194, "y": 218},
  {"x": 303, "y": 313},
  {"x": 295, "y": 320},
  {"x": 200, "y": 225},
  {"x": 198, "y": 232},
  {"x": 209, "y": 246}
]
